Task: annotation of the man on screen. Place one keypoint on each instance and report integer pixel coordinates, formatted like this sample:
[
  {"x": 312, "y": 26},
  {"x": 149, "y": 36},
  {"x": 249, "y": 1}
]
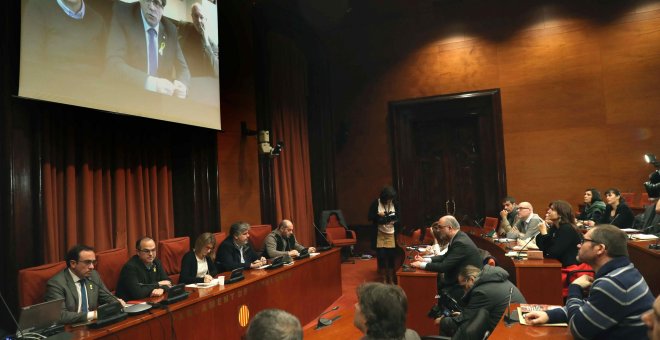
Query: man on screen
[
  {"x": 143, "y": 49},
  {"x": 198, "y": 47},
  {"x": 61, "y": 39}
]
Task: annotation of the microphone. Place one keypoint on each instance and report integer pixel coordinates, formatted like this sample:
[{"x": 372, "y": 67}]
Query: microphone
[
  {"x": 508, "y": 320},
  {"x": 322, "y": 322},
  {"x": 326, "y": 240},
  {"x": 478, "y": 222},
  {"x": 518, "y": 257},
  {"x": 133, "y": 309}
]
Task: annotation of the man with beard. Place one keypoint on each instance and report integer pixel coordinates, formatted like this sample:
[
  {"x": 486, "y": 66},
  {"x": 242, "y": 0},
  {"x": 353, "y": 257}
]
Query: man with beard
[
  {"x": 143, "y": 275},
  {"x": 198, "y": 47},
  {"x": 235, "y": 252},
  {"x": 616, "y": 297},
  {"x": 461, "y": 252},
  {"x": 508, "y": 214}
]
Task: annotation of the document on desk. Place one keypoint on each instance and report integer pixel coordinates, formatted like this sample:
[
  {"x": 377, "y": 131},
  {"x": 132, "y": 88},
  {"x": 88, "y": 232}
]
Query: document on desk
[
  {"x": 643, "y": 237},
  {"x": 203, "y": 284},
  {"x": 516, "y": 253},
  {"x": 526, "y": 308}
]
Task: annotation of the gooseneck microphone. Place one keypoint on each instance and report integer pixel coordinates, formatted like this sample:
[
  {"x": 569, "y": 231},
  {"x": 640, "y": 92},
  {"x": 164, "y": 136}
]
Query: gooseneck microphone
[
  {"x": 519, "y": 257},
  {"x": 507, "y": 318},
  {"x": 322, "y": 322},
  {"x": 19, "y": 331},
  {"x": 326, "y": 240}
]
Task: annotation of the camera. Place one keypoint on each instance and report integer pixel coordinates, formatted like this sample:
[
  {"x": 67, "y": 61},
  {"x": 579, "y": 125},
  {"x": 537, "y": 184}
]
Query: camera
[{"x": 446, "y": 306}]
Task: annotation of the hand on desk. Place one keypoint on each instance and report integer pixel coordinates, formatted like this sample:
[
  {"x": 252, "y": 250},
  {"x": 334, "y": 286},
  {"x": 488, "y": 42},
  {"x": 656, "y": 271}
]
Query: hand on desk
[
  {"x": 208, "y": 278},
  {"x": 294, "y": 253},
  {"x": 536, "y": 318},
  {"x": 417, "y": 264},
  {"x": 311, "y": 250},
  {"x": 167, "y": 283},
  {"x": 157, "y": 292},
  {"x": 418, "y": 258}
]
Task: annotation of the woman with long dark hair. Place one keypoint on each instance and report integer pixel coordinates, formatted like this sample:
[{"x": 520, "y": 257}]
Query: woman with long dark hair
[
  {"x": 617, "y": 211},
  {"x": 593, "y": 207},
  {"x": 558, "y": 235},
  {"x": 384, "y": 214}
]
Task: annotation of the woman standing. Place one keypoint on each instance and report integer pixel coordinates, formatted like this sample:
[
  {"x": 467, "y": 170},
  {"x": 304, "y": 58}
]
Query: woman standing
[
  {"x": 593, "y": 207},
  {"x": 383, "y": 213},
  {"x": 198, "y": 265},
  {"x": 617, "y": 211}
]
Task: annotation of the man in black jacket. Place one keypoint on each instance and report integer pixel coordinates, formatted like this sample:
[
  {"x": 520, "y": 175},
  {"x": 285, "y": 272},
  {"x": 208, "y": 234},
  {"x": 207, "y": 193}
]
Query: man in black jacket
[
  {"x": 143, "y": 275},
  {"x": 235, "y": 251},
  {"x": 460, "y": 253},
  {"x": 487, "y": 288}
]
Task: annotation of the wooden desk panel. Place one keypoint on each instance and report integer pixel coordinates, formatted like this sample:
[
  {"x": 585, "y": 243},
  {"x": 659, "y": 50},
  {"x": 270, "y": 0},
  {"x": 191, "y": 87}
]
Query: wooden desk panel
[
  {"x": 304, "y": 289},
  {"x": 647, "y": 261},
  {"x": 420, "y": 287},
  {"x": 340, "y": 329}
]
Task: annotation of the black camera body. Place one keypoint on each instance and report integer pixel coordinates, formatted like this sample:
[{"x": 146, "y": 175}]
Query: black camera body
[{"x": 446, "y": 306}]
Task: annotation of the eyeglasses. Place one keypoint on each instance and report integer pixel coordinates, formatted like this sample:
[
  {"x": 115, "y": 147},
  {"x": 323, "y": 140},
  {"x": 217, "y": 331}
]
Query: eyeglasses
[
  {"x": 156, "y": 3},
  {"x": 88, "y": 262},
  {"x": 588, "y": 240},
  {"x": 147, "y": 251}
]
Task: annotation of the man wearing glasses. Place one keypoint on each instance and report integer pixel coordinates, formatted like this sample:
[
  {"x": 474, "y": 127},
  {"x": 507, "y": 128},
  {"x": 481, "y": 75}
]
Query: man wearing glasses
[
  {"x": 143, "y": 275},
  {"x": 143, "y": 49},
  {"x": 460, "y": 253},
  {"x": 616, "y": 298},
  {"x": 78, "y": 285}
]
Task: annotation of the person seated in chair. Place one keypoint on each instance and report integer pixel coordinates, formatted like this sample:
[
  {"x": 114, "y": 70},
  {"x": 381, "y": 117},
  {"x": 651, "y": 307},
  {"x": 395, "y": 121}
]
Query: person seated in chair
[
  {"x": 282, "y": 241},
  {"x": 486, "y": 288},
  {"x": 235, "y": 252},
  {"x": 381, "y": 311},
  {"x": 80, "y": 286},
  {"x": 143, "y": 275},
  {"x": 198, "y": 265},
  {"x": 616, "y": 298}
]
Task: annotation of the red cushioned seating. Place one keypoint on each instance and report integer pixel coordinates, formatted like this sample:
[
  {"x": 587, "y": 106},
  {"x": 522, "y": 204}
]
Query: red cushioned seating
[
  {"x": 32, "y": 282},
  {"x": 171, "y": 252},
  {"x": 109, "y": 266}
]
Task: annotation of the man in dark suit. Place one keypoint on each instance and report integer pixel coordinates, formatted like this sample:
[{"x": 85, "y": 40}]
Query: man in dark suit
[
  {"x": 460, "y": 253},
  {"x": 235, "y": 251},
  {"x": 143, "y": 275},
  {"x": 79, "y": 285},
  {"x": 143, "y": 49}
]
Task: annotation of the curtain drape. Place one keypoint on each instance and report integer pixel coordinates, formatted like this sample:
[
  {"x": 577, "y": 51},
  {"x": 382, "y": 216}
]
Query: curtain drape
[
  {"x": 103, "y": 187},
  {"x": 291, "y": 170}
]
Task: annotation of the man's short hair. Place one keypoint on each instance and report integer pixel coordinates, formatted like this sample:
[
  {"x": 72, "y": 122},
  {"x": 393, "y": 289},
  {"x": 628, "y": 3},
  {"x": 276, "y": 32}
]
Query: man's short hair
[
  {"x": 470, "y": 271},
  {"x": 284, "y": 223},
  {"x": 384, "y": 308},
  {"x": 274, "y": 324},
  {"x": 508, "y": 199},
  {"x": 238, "y": 228},
  {"x": 452, "y": 221},
  {"x": 138, "y": 243},
  {"x": 74, "y": 253},
  {"x": 614, "y": 239}
]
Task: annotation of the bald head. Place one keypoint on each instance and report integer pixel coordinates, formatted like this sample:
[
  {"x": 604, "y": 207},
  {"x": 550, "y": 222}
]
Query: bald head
[
  {"x": 286, "y": 228},
  {"x": 525, "y": 209}
]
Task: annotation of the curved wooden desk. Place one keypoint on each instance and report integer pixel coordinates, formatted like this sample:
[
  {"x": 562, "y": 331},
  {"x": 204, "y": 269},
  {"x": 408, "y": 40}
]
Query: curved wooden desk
[
  {"x": 304, "y": 289},
  {"x": 516, "y": 331}
]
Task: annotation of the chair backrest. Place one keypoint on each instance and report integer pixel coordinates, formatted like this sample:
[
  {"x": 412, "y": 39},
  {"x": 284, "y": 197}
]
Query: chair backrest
[
  {"x": 171, "y": 252},
  {"x": 258, "y": 235},
  {"x": 335, "y": 233},
  {"x": 477, "y": 328},
  {"x": 572, "y": 272},
  {"x": 629, "y": 197},
  {"x": 490, "y": 224},
  {"x": 109, "y": 265},
  {"x": 219, "y": 237},
  {"x": 32, "y": 282},
  {"x": 428, "y": 236}
]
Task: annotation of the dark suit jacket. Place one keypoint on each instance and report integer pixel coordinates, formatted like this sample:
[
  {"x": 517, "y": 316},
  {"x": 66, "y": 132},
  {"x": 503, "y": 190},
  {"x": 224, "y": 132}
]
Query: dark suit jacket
[
  {"x": 135, "y": 272},
  {"x": 228, "y": 256},
  {"x": 460, "y": 253},
  {"x": 62, "y": 286},
  {"x": 189, "y": 268},
  {"x": 126, "y": 52}
]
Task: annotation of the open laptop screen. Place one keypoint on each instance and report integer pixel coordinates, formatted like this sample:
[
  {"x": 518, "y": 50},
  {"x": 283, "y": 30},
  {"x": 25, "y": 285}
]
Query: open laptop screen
[{"x": 41, "y": 315}]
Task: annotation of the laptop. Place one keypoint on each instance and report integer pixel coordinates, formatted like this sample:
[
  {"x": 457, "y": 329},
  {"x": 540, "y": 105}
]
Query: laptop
[
  {"x": 176, "y": 293},
  {"x": 41, "y": 317}
]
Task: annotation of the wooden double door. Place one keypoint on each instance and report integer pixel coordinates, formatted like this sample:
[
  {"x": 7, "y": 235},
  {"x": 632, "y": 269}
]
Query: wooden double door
[{"x": 448, "y": 157}]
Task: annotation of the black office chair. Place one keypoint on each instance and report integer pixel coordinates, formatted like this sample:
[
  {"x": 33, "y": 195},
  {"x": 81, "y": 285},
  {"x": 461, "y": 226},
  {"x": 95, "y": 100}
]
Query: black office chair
[{"x": 475, "y": 329}]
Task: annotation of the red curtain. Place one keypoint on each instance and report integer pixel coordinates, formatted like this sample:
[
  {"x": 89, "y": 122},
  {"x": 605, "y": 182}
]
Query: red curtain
[
  {"x": 291, "y": 170},
  {"x": 103, "y": 187}
]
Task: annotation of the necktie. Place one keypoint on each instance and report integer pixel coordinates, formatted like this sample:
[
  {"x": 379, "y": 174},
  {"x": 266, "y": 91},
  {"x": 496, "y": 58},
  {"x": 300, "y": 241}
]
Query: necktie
[
  {"x": 83, "y": 297},
  {"x": 152, "y": 52}
]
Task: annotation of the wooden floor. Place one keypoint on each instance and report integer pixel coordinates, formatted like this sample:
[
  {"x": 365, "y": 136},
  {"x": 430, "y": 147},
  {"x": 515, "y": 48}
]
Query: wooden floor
[{"x": 352, "y": 275}]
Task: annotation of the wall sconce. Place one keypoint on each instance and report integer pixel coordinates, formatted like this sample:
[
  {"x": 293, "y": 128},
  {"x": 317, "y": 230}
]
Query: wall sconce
[{"x": 263, "y": 139}]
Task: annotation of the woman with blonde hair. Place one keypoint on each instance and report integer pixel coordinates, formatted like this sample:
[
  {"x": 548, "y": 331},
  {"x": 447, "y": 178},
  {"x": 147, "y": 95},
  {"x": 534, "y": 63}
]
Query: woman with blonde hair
[{"x": 198, "y": 265}]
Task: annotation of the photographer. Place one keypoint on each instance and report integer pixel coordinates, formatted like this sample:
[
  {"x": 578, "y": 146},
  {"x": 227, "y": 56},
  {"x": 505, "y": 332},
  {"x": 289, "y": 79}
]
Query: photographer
[
  {"x": 383, "y": 213},
  {"x": 486, "y": 288}
]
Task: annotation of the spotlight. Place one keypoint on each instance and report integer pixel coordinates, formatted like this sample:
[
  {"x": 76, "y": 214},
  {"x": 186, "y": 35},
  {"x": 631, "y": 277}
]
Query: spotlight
[
  {"x": 652, "y": 186},
  {"x": 650, "y": 159}
]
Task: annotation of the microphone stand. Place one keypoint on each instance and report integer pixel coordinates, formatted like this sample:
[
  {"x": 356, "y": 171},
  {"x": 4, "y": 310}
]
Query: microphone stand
[
  {"x": 508, "y": 320},
  {"x": 19, "y": 331},
  {"x": 326, "y": 240},
  {"x": 519, "y": 257}
]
